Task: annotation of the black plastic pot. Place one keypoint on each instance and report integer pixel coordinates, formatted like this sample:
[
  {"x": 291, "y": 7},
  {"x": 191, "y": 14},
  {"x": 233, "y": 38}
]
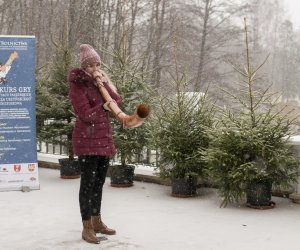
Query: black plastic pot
[
  {"x": 69, "y": 169},
  {"x": 184, "y": 187},
  {"x": 259, "y": 194},
  {"x": 121, "y": 176}
]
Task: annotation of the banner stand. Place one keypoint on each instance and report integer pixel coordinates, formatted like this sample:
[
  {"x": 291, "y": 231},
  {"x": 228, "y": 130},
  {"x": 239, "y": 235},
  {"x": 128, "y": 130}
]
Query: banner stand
[{"x": 18, "y": 150}]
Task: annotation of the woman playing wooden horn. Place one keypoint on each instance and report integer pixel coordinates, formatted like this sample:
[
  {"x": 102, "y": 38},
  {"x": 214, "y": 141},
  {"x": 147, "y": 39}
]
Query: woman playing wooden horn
[
  {"x": 4, "y": 68},
  {"x": 92, "y": 95}
]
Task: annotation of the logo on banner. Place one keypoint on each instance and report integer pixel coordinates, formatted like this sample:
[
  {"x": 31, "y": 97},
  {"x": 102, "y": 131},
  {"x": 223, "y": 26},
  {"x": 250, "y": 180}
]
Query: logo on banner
[
  {"x": 31, "y": 167},
  {"x": 17, "y": 167},
  {"x": 3, "y": 169},
  {"x": 32, "y": 178}
]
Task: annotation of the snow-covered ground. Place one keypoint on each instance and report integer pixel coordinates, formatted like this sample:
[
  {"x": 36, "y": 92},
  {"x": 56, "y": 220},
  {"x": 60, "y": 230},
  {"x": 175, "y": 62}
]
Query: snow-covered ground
[{"x": 146, "y": 217}]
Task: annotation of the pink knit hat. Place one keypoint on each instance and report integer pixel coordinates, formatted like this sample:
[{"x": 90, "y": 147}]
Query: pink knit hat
[{"x": 88, "y": 55}]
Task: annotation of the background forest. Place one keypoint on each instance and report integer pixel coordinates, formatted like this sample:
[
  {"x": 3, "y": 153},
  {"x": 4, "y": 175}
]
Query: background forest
[{"x": 208, "y": 35}]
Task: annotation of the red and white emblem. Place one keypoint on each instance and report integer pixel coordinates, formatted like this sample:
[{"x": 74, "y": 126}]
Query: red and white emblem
[
  {"x": 31, "y": 167},
  {"x": 17, "y": 167}
]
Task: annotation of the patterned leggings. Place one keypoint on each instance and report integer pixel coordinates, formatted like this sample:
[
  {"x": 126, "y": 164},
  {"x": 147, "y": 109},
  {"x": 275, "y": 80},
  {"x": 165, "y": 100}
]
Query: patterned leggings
[{"x": 93, "y": 173}]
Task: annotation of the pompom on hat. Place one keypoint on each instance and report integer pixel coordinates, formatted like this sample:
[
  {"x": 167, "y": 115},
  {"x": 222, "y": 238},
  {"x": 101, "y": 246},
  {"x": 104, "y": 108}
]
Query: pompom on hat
[{"x": 88, "y": 55}]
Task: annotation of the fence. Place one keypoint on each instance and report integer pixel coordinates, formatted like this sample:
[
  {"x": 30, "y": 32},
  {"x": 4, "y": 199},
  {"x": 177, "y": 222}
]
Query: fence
[{"x": 146, "y": 156}]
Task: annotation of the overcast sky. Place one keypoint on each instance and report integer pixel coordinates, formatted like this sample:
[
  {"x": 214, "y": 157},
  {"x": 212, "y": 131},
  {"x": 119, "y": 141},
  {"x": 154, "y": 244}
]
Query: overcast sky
[{"x": 293, "y": 8}]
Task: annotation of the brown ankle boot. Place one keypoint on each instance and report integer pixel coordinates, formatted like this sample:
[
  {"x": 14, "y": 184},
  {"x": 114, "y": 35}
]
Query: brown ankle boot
[
  {"x": 88, "y": 233},
  {"x": 100, "y": 227}
]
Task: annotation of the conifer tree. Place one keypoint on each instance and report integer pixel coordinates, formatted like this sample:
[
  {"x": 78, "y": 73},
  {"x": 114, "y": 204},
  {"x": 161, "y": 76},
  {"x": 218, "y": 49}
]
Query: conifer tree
[
  {"x": 250, "y": 143},
  {"x": 128, "y": 75},
  {"x": 54, "y": 111}
]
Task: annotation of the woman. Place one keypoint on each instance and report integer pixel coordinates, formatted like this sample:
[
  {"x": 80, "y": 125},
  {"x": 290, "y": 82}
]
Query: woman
[
  {"x": 92, "y": 138},
  {"x": 4, "y": 68}
]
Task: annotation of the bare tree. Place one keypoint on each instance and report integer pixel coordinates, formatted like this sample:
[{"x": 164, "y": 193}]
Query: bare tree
[{"x": 207, "y": 33}]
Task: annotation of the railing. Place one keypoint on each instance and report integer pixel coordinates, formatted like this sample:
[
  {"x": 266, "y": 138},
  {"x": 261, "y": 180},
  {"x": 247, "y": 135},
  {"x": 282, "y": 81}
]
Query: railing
[
  {"x": 146, "y": 156},
  {"x": 151, "y": 157},
  {"x": 49, "y": 148},
  {"x": 295, "y": 141}
]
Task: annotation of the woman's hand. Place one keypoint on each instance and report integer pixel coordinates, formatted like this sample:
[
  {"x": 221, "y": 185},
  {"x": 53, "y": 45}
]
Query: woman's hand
[
  {"x": 96, "y": 74},
  {"x": 99, "y": 78},
  {"x": 3, "y": 68}
]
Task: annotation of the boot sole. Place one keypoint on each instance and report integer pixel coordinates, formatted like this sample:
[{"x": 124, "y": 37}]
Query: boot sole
[{"x": 90, "y": 241}]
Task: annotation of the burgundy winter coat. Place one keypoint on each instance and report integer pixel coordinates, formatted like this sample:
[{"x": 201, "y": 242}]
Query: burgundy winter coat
[{"x": 92, "y": 134}]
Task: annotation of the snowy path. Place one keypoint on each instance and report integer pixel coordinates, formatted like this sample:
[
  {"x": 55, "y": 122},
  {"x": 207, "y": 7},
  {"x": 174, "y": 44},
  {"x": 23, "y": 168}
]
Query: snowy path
[{"x": 146, "y": 217}]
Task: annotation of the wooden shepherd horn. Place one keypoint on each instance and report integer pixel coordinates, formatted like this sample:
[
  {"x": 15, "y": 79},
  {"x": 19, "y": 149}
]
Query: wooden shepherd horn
[{"x": 128, "y": 121}]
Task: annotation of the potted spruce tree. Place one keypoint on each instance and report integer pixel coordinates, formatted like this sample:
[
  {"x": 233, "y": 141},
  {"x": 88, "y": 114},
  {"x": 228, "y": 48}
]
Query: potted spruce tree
[
  {"x": 178, "y": 133},
  {"x": 127, "y": 75},
  {"x": 55, "y": 115},
  {"x": 249, "y": 151}
]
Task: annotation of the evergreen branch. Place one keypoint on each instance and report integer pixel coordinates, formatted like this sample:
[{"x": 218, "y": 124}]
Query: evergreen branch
[
  {"x": 263, "y": 97},
  {"x": 235, "y": 97},
  {"x": 252, "y": 113},
  {"x": 237, "y": 69},
  {"x": 262, "y": 64}
]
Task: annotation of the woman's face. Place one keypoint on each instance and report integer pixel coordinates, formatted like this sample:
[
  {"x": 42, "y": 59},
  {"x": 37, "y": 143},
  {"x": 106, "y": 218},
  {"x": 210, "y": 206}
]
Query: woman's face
[{"x": 93, "y": 67}]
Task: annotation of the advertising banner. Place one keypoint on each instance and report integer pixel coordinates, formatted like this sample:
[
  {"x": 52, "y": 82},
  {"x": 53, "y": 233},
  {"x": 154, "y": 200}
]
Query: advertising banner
[{"x": 18, "y": 151}]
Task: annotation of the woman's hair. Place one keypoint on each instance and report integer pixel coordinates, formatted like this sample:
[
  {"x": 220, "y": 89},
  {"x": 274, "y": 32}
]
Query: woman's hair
[{"x": 113, "y": 87}]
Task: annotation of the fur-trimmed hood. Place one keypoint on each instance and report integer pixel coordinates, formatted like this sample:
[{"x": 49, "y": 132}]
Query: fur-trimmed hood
[{"x": 78, "y": 75}]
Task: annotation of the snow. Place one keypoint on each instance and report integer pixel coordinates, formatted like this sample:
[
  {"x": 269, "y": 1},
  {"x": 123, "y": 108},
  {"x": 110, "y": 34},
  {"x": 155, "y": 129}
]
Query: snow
[
  {"x": 145, "y": 216},
  {"x": 139, "y": 168}
]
